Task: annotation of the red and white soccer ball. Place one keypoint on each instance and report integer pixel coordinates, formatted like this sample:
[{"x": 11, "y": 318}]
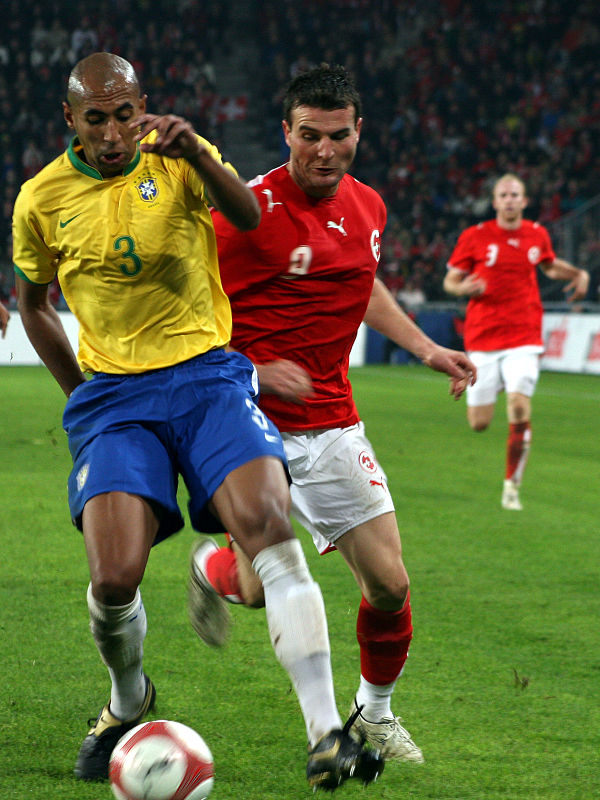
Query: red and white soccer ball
[{"x": 161, "y": 760}]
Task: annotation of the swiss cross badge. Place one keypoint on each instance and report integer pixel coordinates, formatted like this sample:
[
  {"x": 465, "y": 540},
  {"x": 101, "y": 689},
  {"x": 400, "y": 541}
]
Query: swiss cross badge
[{"x": 367, "y": 462}]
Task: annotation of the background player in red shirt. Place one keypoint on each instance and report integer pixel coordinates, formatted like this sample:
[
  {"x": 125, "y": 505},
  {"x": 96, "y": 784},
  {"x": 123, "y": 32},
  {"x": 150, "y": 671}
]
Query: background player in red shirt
[
  {"x": 300, "y": 286},
  {"x": 494, "y": 265}
]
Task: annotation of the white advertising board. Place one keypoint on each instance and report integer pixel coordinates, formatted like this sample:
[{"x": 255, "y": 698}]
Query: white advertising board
[
  {"x": 572, "y": 343},
  {"x": 16, "y": 348}
]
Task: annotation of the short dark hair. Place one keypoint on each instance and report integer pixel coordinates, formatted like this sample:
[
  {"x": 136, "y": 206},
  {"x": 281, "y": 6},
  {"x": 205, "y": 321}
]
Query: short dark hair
[{"x": 326, "y": 87}]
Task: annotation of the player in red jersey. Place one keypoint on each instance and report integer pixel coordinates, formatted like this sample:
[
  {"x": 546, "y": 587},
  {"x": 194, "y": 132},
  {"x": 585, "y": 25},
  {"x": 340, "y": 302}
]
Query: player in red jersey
[
  {"x": 300, "y": 286},
  {"x": 494, "y": 265}
]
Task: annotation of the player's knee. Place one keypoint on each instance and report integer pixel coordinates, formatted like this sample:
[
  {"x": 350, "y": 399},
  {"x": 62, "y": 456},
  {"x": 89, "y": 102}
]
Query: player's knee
[
  {"x": 518, "y": 407},
  {"x": 263, "y": 522},
  {"x": 518, "y": 413},
  {"x": 480, "y": 417},
  {"x": 479, "y": 425},
  {"x": 116, "y": 585},
  {"x": 390, "y": 593}
]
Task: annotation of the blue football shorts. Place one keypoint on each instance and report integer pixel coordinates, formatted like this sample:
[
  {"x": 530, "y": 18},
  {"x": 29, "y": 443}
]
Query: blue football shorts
[{"x": 137, "y": 433}]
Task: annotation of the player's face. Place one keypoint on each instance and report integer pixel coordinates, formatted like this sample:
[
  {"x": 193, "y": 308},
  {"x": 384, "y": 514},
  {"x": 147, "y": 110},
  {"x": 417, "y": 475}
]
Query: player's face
[
  {"x": 101, "y": 120},
  {"x": 509, "y": 202},
  {"x": 322, "y": 147}
]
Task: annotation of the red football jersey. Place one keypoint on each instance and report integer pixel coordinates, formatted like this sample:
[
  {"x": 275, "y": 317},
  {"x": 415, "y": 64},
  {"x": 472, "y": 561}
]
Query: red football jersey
[
  {"x": 299, "y": 286},
  {"x": 509, "y": 312}
]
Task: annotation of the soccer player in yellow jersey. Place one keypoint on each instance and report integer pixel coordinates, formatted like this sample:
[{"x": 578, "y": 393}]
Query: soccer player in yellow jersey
[{"x": 122, "y": 218}]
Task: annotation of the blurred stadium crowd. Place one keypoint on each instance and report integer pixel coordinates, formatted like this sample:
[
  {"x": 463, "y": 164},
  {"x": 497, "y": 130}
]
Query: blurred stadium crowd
[
  {"x": 455, "y": 93},
  {"x": 41, "y": 42}
]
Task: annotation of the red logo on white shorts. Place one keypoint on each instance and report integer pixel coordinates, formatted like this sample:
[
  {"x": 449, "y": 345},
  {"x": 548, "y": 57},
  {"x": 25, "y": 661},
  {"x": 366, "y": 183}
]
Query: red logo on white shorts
[{"x": 367, "y": 462}]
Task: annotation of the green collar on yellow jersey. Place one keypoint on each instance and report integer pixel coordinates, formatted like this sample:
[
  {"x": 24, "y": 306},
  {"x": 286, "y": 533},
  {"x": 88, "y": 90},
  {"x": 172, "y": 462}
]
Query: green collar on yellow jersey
[{"x": 75, "y": 148}]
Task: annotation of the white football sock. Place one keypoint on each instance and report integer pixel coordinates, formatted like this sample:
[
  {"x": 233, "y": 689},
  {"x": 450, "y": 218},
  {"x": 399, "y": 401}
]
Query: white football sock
[
  {"x": 298, "y": 631},
  {"x": 375, "y": 699},
  {"x": 119, "y": 633}
]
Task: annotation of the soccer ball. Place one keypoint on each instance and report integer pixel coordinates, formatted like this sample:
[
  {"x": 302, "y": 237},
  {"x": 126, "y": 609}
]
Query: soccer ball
[{"x": 161, "y": 760}]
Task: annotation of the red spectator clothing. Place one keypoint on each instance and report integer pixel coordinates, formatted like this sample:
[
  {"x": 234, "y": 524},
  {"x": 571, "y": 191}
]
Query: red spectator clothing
[
  {"x": 509, "y": 312},
  {"x": 299, "y": 286}
]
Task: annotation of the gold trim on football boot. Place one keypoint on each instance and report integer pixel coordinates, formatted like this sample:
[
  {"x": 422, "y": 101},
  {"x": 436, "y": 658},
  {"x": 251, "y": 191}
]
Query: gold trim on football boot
[
  {"x": 387, "y": 736},
  {"x": 207, "y": 611},
  {"x": 336, "y": 757},
  {"x": 96, "y": 749}
]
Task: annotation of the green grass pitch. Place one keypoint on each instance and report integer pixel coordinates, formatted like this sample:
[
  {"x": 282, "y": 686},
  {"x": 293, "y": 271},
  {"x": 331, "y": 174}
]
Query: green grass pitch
[{"x": 502, "y": 685}]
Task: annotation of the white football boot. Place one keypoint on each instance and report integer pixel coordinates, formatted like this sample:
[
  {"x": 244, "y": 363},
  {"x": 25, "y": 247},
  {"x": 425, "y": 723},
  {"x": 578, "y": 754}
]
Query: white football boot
[
  {"x": 207, "y": 611},
  {"x": 510, "y": 496},
  {"x": 388, "y": 736}
]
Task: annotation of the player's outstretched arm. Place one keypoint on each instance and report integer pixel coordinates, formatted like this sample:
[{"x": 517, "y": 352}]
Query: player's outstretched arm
[
  {"x": 385, "y": 316},
  {"x": 176, "y": 138},
  {"x": 47, "y": 335},
  {"x": 578, "y": 279},
  {"x": 4, "y": 317}
]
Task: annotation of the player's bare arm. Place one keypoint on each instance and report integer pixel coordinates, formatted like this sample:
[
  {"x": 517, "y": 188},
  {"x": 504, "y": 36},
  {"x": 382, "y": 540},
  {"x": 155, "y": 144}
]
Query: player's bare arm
[
  {"x": 385, "y": 316},
  {"x": 286, "y": 379},
  {"x": 578, "y": 279},
  {"x": 461, "y": 284},
  {"x": 46, "y": 333},
  {"x": 283, "y": 377},
  {"x": 176, "y": 138},
  {"x": 4, "y": 317}
]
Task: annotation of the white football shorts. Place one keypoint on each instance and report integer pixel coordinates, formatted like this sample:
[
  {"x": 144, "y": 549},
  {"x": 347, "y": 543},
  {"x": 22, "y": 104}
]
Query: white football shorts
[
  {"x": 337, "y": 483},
  {"x": 515, "y": 369}
]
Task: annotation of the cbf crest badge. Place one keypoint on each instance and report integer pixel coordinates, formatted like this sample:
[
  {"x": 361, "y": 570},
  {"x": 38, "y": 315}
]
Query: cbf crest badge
[{"x": 147, "y": 188}]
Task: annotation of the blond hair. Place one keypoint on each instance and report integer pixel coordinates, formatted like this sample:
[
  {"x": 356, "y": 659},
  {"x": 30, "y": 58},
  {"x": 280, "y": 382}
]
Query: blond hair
[{"x": 509, "y": 176}]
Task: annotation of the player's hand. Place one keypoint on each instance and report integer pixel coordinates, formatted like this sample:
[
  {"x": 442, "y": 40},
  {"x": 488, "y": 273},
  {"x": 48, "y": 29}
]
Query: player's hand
[
  {"x": 286, "y": 379},
  {"x": 577, "y": 289},
  {"x": 473, "y": 286},
  {"x": 4, "y": 317},
  {"x": 456, "y": 364},
  {"x": 175, "y": 136}
]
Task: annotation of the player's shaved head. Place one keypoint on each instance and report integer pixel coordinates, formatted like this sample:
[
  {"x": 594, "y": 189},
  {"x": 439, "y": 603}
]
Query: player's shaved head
[
  {"x": 507, "y": 177},
  {"x": 103, "y": 98},
  {"x": 100, "y": 74}
]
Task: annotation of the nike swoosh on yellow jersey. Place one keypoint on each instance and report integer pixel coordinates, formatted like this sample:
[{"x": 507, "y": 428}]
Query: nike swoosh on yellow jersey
[{"x": 64, "y": 224}]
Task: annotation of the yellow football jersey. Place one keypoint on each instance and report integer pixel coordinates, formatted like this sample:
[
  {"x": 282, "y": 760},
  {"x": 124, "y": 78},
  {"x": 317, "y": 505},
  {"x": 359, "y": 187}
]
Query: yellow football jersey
[{"x": 135, "y": 255}]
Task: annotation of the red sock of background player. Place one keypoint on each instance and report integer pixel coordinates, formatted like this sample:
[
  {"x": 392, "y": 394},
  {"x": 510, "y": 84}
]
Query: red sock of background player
[
  {"x": 517, "y": 450},
  {"x": 384, "y": 638},
  {"x": 221, "y": 572}
]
